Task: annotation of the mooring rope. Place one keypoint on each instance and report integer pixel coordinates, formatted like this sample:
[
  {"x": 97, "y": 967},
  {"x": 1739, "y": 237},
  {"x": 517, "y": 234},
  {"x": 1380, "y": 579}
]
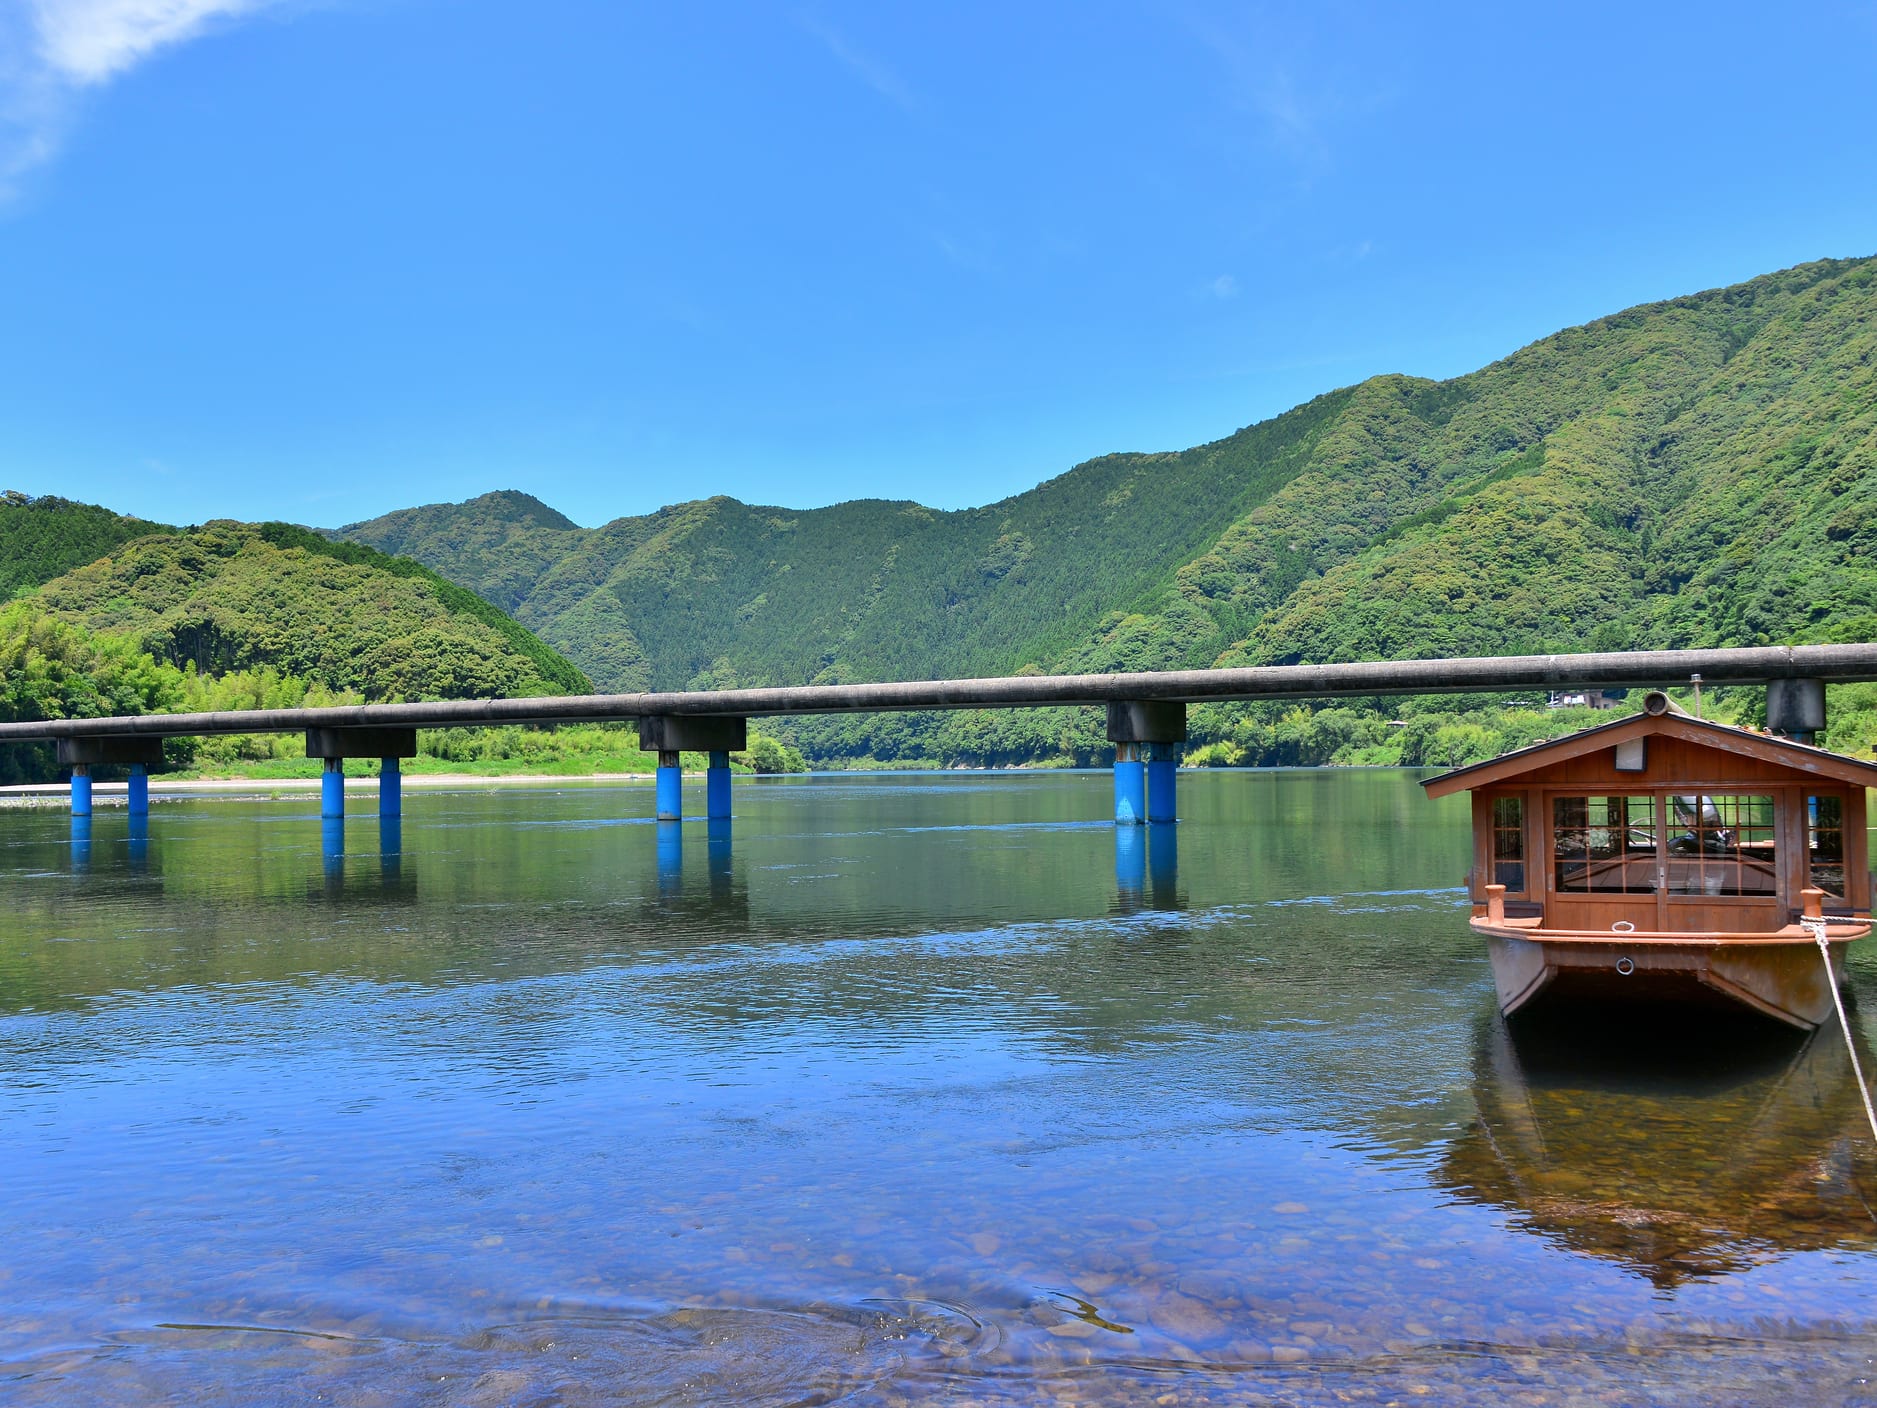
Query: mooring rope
[{"x": 1816, "y": 928}]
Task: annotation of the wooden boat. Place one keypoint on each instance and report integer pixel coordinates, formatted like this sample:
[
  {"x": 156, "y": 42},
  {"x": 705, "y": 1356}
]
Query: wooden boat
[{"x": 1662, "y": 858}]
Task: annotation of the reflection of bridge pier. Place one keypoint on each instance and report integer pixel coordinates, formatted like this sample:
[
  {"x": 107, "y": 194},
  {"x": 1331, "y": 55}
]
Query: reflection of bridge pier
[
  {"x": 332, "y": 850},
  {"x": 333, "y": 855},
  {"x": 1147, "y": 867},
  {"x": 1163, "y": 864},
  {"x": 717, "y": 853},
  {"x": 1130, "y": 867},
  {"x": 721, "y": 901},
  {"x": 391, "y": 845},
  {"x": 670, "y": 853}
]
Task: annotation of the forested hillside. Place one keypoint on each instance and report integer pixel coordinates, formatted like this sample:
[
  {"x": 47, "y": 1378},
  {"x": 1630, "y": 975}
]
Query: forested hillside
[
  {"x": 228, "y": 597},
  {"x": 723, "y": 592},
  {"x": 48, "y": 536},
  {"x": 1694, "y": 472}
]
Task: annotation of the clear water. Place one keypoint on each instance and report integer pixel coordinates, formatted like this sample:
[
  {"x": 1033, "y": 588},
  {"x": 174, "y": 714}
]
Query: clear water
[{"x": 912, "y": 1090}]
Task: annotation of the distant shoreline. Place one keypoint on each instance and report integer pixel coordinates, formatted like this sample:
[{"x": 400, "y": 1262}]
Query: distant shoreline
[{"x": 28, "y": 792}]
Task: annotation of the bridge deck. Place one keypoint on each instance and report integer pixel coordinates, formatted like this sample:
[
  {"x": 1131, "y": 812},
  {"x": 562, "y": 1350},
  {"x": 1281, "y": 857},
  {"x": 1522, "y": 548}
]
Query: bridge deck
[{"x": 1483, "y": 674}]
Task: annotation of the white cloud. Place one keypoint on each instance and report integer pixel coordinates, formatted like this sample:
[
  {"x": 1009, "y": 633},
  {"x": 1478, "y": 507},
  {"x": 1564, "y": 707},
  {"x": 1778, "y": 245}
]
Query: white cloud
[
  {"x": 51, "y": 51},
  {"x": 1225, "y": 286},
  {"x": 88, "y": 41}
]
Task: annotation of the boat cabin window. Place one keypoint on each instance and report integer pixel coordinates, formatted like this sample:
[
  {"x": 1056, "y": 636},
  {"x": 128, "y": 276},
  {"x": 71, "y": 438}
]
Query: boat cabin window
[
  {"x": 1508, "y": 843},
  {"x": 1825, "y": 843},
  {"x": 1721, "y": 845},
  {"x": 1604, "y": 844}
]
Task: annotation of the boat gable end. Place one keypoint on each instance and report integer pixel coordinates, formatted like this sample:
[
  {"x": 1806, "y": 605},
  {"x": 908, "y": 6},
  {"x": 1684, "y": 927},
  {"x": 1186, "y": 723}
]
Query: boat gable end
[{"x": 1682, "y": 747}]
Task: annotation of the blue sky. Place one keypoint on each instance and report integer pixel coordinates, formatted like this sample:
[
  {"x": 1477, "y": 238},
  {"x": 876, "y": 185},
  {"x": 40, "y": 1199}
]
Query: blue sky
[{"x": 318, "y": 261}]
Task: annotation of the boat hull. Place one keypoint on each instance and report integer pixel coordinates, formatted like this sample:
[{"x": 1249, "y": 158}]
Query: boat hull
[{"x": 1778, "y": 977}]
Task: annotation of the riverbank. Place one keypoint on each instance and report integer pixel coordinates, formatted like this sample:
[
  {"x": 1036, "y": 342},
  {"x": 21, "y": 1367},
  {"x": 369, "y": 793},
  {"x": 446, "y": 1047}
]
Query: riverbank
[{"x": 39, "y": 794}]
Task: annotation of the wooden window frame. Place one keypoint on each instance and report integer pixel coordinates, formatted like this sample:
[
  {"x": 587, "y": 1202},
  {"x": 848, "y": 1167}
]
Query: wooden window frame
[
  {"x": 1792, "y": 844},
  {"x": 1802, "y": 827},
  {"x": 1665, "y": 903}
]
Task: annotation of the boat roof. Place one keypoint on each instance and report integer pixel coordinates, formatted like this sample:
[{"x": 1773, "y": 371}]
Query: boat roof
[{"x": 1801, "y": 757}]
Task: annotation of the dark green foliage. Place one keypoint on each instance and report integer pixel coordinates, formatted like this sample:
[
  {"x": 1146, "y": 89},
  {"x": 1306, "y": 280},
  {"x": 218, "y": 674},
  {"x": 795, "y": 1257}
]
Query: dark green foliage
[
  {"x": 48, "y": 536},
  {"x": 230, "y": 597},
  {"x": 552, "y": 667},
  {"x": 767, "y": 755},
  {"x": 721, "y": 592},
  {"x": 1719, "y": 492},
  {"x": 52, "y": 669},
  {"x": 499, "y": 544}
]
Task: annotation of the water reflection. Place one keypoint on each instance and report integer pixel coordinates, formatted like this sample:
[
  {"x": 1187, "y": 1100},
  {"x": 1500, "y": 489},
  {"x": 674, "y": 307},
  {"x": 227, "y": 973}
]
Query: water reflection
[
  {"x": 332, "y": 851},
  {"x": 139, "y": 842},
  {"x": 346, "y": 874},
  {"x": 717, "y": 853},
  {"x": 1163, "y": 864},
  {"x": 1147, "y": 867},
  {"x": 1130, "y": 867},
  {"x": 899, "y": 1089},
  {"x": 390, "y": 845},
  {"x": 1687, "y": 1151},
  {"x": 670, "y": 853},
  {"x": 81, "y": 844}
]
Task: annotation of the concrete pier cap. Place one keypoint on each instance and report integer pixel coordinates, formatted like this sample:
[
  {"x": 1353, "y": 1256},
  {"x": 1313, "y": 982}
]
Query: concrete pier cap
[
  {"x": 1795, "y": 707},
  {"x": 1146, "y": 721},
  {"x": 123, "y": 751},
  {"x": 693, "y": 733},
  {"x": 361, "y": 743}
]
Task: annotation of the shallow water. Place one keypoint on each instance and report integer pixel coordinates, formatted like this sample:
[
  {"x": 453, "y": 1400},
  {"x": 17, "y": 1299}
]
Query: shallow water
[{"x": 908, "y": 1090}]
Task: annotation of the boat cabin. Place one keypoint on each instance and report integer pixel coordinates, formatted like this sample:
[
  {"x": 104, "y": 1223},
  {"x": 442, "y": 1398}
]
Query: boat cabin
[{"x": 1661, "y": 823}]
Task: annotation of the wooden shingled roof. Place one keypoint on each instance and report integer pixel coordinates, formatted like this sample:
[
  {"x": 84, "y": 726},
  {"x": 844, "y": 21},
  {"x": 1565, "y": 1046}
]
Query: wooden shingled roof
[{"x": 1783, "y": 752}]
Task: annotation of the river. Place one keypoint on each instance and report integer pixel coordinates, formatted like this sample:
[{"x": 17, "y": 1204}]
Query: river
[{"x": 908, "y": 1089}]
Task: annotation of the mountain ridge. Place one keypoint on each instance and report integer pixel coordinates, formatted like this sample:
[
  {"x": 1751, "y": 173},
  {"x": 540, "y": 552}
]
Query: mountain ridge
[{"x": 1255, "y": 560}]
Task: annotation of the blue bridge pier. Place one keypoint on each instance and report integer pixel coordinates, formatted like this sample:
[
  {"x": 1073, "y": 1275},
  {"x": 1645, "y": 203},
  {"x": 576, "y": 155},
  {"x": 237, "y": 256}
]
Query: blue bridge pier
[
  {"x": 1148, "y": 735},
  {"x": 335, "y": 745},
  {"x": 137, "y": 754},
  {"x": 669, "y": 735}
]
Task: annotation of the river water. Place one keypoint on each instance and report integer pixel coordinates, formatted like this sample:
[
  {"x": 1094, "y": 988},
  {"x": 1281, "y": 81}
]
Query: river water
[{"x": 908, "y": 1090}]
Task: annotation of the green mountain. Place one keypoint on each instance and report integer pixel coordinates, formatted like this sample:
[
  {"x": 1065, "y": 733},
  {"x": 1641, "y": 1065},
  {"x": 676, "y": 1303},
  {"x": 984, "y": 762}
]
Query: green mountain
[
  {"x": 46, "y": 537},
  {"x": 1693, "y": 472},
  {"x": 230, "y": 597},
  {"x": 722, "y": 592}
]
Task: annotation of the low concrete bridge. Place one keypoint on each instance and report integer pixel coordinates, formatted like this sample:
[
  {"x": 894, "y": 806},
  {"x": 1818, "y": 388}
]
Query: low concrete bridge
[{"x": 1146, "y": 713}]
